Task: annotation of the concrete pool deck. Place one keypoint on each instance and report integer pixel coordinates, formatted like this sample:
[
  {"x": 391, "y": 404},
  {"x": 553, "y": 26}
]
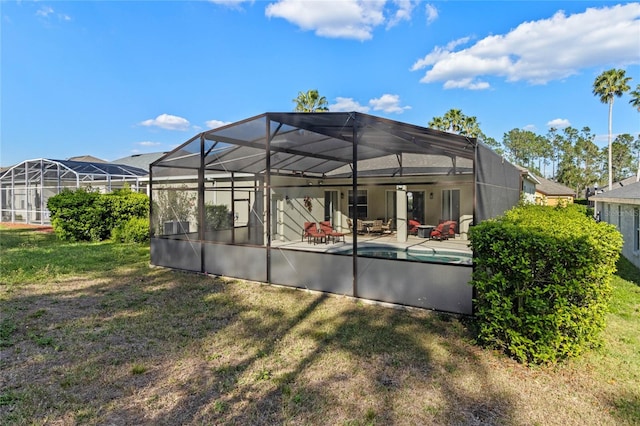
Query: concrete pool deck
[{"x": 413, "y": 242}]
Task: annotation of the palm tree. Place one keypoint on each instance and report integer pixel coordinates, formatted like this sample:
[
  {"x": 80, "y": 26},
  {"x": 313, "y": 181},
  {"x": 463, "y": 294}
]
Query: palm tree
[
  {"x": 608, "y": 85},
  {"x": 470, "y": 127},
  {"x": 311, "y": 101},
  {"x": 438, "y": 123},
  {"x": 635, "y": 98},
  {"x": 454, "y": 119}
]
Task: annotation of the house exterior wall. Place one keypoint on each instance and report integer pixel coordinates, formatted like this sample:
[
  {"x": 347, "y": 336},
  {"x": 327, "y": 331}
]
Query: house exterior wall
[
  {"x": 290, "y": 213},
  {"x": 553, "y": 200},
  {"x": 528, "y": 191},
  {"x": 626, "y": 217}
]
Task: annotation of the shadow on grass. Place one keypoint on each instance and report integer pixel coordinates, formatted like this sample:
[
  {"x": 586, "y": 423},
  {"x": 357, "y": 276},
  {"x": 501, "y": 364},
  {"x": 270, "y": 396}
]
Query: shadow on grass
[
  {"x": 628, "y": 271},
  {"x": 161, "y": 347}
]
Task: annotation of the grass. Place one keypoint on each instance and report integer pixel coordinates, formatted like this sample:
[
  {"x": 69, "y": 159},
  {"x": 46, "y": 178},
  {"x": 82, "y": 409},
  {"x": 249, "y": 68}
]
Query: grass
[{"x": 90, "y": 334}]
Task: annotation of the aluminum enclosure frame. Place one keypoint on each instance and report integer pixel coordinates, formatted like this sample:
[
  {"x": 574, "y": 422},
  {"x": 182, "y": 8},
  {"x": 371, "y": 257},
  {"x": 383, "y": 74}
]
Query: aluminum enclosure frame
[{"x": 326, "y": 146}]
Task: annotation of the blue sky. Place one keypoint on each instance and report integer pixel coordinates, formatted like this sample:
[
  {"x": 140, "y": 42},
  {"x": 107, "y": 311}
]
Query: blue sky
[{"x": 112, "y": 78}]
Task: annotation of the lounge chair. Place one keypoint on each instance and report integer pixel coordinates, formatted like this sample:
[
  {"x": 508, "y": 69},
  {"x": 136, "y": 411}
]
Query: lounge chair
[
  {"x": 328, "y": 230},
  {"x": 310, "y": 231},
  {"x": 441, "y": 232}
]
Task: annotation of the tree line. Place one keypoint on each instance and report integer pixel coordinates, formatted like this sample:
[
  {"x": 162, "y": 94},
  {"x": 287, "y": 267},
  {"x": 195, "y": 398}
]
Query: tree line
[{"x": 568, "y": 156}]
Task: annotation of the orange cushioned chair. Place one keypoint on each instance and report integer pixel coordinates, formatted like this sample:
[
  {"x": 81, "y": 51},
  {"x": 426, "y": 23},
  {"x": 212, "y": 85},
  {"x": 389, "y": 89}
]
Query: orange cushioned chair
[
  {"x": 328, "y": 230},
  {"x": 310, "y": 231},
  {"x": 441, "y": 232}
]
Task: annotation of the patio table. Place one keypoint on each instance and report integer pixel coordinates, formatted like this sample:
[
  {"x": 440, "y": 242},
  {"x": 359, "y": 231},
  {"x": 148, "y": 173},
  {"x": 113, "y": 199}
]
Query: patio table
[{"x": 424, "y": 231}]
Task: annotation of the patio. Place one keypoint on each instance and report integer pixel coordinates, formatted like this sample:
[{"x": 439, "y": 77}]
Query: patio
[
  {"x": 384, "y": 240},
  {"x": 234, "y": 201}
]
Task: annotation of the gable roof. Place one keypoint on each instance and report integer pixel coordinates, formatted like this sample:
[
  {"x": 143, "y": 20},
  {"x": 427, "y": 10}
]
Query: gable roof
[
  {"x": 628, "y": 194},
  {"x": 619, "y": 184},
  {"x": 526, "y": 174},
  {"x": 141, "y": 161},
  {"x": 87, "y": 159},
  {"x": 550, "y": 188}
]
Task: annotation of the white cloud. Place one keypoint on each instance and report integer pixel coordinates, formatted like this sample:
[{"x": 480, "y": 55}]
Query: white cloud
[
  {"x": 148, "y": 143},
  {"x": 233, "y": 4},
  {"x": 347, "y": 105},
  {"x": 388, "y": 104},
  {"x": 540, "y": 51},
  {"x": 530, "y": 127},
  {"x": 432, "y": 13},
  {"x": 352, "y": 19},
  {"x": 402, "y": 13},
  {"x": 44, "y": 11},
  {"x": 213, "y": 124},
  {"x": 559, "y": 123},
  {"x": 166, "y": 121},
  {"x": 47, "y": 12}
]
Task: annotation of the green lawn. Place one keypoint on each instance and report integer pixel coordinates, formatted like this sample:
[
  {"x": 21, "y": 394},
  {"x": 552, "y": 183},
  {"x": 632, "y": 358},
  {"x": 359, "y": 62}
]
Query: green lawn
[{"x": 90, "y": 334}]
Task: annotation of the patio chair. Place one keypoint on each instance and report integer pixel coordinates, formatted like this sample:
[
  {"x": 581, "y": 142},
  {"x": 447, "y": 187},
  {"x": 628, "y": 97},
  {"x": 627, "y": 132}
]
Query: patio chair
[
  {"x": 328, "y": 230},
  {"x": 452, "y": 228},
  {"x": 310, "y": 231},
  {"x": 361, "y": 229},
  {"x": 441, "y": 232},
  {"x": 376, "y": 228},
  {"x": 386, "y": 227},
  {"x": 350, "y": 225},
  {"x": 413, "y": 227}
]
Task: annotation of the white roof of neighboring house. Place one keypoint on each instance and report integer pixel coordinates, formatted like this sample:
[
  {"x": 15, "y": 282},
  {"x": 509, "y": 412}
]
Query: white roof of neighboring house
[
  {"x": 526, "y": 174},
  {"x": 140, "y": 161}
]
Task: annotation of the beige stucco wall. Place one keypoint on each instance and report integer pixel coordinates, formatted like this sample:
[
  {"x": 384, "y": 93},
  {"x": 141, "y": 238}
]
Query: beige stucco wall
[{"x": 291, "y": 213}]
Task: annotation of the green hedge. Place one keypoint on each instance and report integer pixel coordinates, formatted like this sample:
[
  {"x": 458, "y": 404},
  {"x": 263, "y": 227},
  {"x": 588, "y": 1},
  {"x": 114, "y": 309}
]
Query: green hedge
[
  {"x": 134, "y": 230},
  {"x": 86, "y": 215},
  {"x": 542, "y": 278}
]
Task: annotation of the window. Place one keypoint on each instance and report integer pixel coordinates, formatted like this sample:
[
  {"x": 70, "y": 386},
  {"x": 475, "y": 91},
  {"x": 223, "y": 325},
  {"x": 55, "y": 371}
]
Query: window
[
  {"x": 360, "y": 204},
  {"x": 451, "y": 204},
  {"x": 619, "y": 217},
  {"x": 636, "y": 229}
]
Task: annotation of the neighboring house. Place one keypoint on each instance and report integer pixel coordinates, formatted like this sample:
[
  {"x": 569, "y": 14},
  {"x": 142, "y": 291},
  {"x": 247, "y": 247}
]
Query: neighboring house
[
  {"x": 87, "y": 159},
  {"x": 621, "y": 207},
  {"x": 528, "y": 185},
  {"x": 549, "y": 193},
  {"x": 141, "y": 161}
]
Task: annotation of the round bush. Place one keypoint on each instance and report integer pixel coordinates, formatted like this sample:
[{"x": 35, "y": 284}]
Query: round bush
[
  {"x": 134, "y": 230},
  {"x": 542, "y": 280}
]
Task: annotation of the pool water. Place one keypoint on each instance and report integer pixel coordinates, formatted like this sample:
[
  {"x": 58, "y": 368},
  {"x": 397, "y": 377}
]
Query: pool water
[{"x": 414, "y": 255}]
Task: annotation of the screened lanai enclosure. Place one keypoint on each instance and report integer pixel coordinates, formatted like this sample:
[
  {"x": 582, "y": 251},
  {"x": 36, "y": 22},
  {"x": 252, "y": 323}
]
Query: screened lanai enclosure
[
  {"x": 26, "y": 187},
  {"x": 248, "y": 200}
]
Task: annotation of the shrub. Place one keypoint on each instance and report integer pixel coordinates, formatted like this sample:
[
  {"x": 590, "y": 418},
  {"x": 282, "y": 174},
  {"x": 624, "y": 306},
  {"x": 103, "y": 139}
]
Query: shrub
[
  {"x": 86, "y": 215},
  {"x": 134, "y": 230},
  {"x": 122, "y": 205},
  {"x": 77, "y": 215},
  {"x": 217, "y": 217},
  {"x": 542, "y": 279}
]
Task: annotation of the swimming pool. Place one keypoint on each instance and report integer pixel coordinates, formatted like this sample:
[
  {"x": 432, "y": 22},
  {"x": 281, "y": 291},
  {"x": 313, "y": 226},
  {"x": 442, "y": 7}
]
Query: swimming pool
[{"x": 416, "y": 255}]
